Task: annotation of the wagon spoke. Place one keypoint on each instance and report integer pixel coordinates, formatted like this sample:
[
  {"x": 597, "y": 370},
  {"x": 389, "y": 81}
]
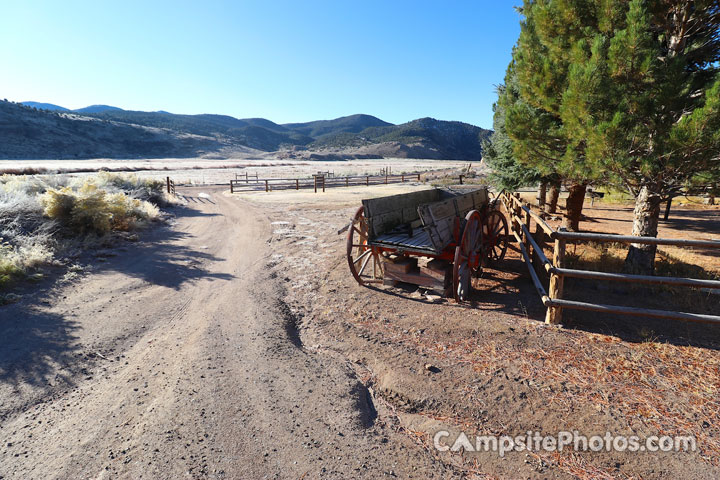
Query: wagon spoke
[
  {"x": 362, "y": 268},
  {"x": 363, "y": 255}
]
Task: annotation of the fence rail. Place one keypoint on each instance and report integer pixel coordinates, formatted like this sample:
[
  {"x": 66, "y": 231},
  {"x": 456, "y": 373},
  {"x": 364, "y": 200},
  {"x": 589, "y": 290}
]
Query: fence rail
[
  {"x": 532, "y": 244},
  {"x": 318, "y": 181}
]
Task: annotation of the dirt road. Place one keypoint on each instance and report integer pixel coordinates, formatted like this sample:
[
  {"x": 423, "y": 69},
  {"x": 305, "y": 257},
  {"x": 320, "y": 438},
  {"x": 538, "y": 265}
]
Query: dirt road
[{"x": 175, "y": 357}]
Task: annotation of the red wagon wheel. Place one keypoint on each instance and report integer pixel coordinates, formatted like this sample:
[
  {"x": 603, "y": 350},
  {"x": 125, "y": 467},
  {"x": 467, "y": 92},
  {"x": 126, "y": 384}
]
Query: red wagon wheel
[
  {"x": 363, "y": 259},
  {"x": 467, "y": 255},
  {"x": 495, "y": 237}
]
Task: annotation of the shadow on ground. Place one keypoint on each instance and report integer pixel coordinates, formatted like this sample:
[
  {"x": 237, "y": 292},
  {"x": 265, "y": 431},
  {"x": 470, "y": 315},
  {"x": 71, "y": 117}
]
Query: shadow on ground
[
  {"x": 166, "y": 257},
  {"x": 32, "y": 344}
]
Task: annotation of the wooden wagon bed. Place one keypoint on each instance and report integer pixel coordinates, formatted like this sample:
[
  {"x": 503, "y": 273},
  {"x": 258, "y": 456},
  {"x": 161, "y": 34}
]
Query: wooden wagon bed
[
  {"x": 455, "y": 229},
  {"x": 418, "y": 242},
  {"x": 422, "y": 222}
]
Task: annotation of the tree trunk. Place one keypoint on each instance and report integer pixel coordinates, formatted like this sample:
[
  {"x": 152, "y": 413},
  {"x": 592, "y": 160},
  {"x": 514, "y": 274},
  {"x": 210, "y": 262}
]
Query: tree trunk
[
  {"x": 667, "y": 208},
  {"x": 573, "y": 206},
  {"x": 554, "y": 196},
  {"x": 542, "y": 196},
  {"x": 641, "y": 258}
]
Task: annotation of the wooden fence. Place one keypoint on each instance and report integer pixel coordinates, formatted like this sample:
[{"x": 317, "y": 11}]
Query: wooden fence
[
  {"x": 532, "y": 245},
  {"x": 249, "y": 177},
  {"x": 170, "y": 186},
  {"x": 318, "y": 181}
]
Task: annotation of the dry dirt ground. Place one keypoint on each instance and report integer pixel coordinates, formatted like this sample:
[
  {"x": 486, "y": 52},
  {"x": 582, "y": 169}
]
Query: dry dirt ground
[{"x": 234, "y": 343}]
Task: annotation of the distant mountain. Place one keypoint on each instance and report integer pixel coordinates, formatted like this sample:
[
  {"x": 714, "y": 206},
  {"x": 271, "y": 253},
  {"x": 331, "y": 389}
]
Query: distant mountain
[
  {"x": 29, "y": 133},
  {"x": 46, "y": 106},
  {"x": 105, "y": 131},
  {"x": 257, "y": 133},
  {"x": 350, "y": 124},
  {"x": 97, "y": 109},
  {"x": 452, "y": 140}
]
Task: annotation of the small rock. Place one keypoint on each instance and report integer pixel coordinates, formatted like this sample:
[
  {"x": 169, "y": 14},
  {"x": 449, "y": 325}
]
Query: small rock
[
  {"x": 433, "y": 298},
  {"x": 431, "y": 368}
]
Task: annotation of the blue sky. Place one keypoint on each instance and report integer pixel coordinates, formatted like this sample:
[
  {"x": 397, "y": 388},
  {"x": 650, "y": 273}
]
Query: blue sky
[{"x": 283, "y": 60}]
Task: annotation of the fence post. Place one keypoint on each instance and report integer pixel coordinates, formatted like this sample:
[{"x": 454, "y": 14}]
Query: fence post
[
  {"x": 367, "y": 181},
  {"x": 540, "y": 240},
  {"x": 323, "y": 182},
  {"x": 231, "y": 187},
  {"x": 347, "y": 182},
  {"x": 386, "y": 178},
  {"x": 297, "y": 184},
  {"x": 168, "y": 184},
  {"x": 418, "y": 177},
  {"x": 267, "y": 187},
  {"x": 246, "y": 178},
  {"x": 554, "y": 314},
  {"x": 528, "y": 244},
  {"x": 315, "y": 183},
  {"x": 461, "y": 179}
]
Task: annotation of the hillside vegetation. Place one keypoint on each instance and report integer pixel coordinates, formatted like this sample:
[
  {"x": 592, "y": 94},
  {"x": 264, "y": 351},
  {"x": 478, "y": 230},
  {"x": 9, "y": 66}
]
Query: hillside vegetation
[{"x": 35, "y": 130}]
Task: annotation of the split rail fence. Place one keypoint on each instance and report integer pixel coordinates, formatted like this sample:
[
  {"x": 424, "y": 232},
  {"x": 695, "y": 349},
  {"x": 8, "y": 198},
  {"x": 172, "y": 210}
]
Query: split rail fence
[
  {"x": 531, "y": 245},
  {"x": 317, "y": 182}
]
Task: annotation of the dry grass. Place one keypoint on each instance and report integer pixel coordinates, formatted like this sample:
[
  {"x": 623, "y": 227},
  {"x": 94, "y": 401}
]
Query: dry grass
[
  {"x": 672, "y": 389},
  {"x": 40, "y": 214}
]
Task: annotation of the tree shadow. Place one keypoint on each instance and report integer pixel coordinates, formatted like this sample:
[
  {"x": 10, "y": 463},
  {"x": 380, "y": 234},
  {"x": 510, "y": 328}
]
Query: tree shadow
[
  {"x": 166, "y": 258},
  {"x": 516, "y": 295},
  {"x": 639, "y": 329},
  {"x": 35, "y": 346}
]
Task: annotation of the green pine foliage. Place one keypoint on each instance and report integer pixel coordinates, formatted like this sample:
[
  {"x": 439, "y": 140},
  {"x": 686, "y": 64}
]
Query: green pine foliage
[
  {"x": 643, "y": 95},
  {"x": 507, "y": 172}
]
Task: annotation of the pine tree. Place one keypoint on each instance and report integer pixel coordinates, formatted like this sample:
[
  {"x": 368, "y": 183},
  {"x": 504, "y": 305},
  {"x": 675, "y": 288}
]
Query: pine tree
[
  {"x": 541, "y": 62},
  {"x": 507, "y": 172},
  {"x": 643, "y": 100}
]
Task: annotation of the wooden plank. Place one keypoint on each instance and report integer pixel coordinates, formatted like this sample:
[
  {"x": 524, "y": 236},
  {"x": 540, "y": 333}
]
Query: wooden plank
[
  {"x": 440, "y": 234},
  {"x": 401, "y": 265},
  {"x": 464, "y": 204},
  {"x": 540, "y": 221},
  {"x": 642, "y": 312},
  {"x": 382, "y": 205},
  {"x": 385, "y": 222},
  {"x": 647, "y": 279},
  {"x": 437, "y": 275},
  {"x": 416, "y": 278},
  {"x": 632, "y": 239}
]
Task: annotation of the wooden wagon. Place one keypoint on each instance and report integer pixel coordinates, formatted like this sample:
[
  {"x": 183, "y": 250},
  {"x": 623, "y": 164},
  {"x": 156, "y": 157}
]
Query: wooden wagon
[{"x": 458, "y": 231}]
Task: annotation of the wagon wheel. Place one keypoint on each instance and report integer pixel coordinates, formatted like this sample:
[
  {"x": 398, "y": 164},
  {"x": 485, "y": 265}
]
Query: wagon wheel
[
  {"x": 363, "y": 259},
  {"x": 467, "y": 255},
  {"x": 495, "y": 237}
]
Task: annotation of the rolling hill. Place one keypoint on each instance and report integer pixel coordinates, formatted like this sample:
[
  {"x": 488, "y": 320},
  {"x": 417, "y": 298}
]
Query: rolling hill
[
  {"x": 46, "y": 106},
  {"x": 349, "y": 124},
  {"x": 49, "y": 131}
]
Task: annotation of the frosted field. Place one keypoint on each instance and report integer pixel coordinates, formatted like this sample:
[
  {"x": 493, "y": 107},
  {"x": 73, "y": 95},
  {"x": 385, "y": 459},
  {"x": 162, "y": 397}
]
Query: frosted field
[{"x": 207, "y": 171}]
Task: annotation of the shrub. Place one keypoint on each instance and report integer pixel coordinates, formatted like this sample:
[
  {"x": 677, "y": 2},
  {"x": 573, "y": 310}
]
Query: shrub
[
  {"x": 93, "y": 210},
  {"x": 8, "y": 265},
  {"x": 34, "y": 208}
]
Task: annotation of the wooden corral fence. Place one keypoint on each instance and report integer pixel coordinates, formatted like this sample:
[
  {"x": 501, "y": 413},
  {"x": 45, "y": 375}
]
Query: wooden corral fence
[
  {"x": 319, "y": 181},
  {"x": 249, "y": 177},
  {"x": 531, "y": 245},
  {"x": 170, "y": 186}
]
